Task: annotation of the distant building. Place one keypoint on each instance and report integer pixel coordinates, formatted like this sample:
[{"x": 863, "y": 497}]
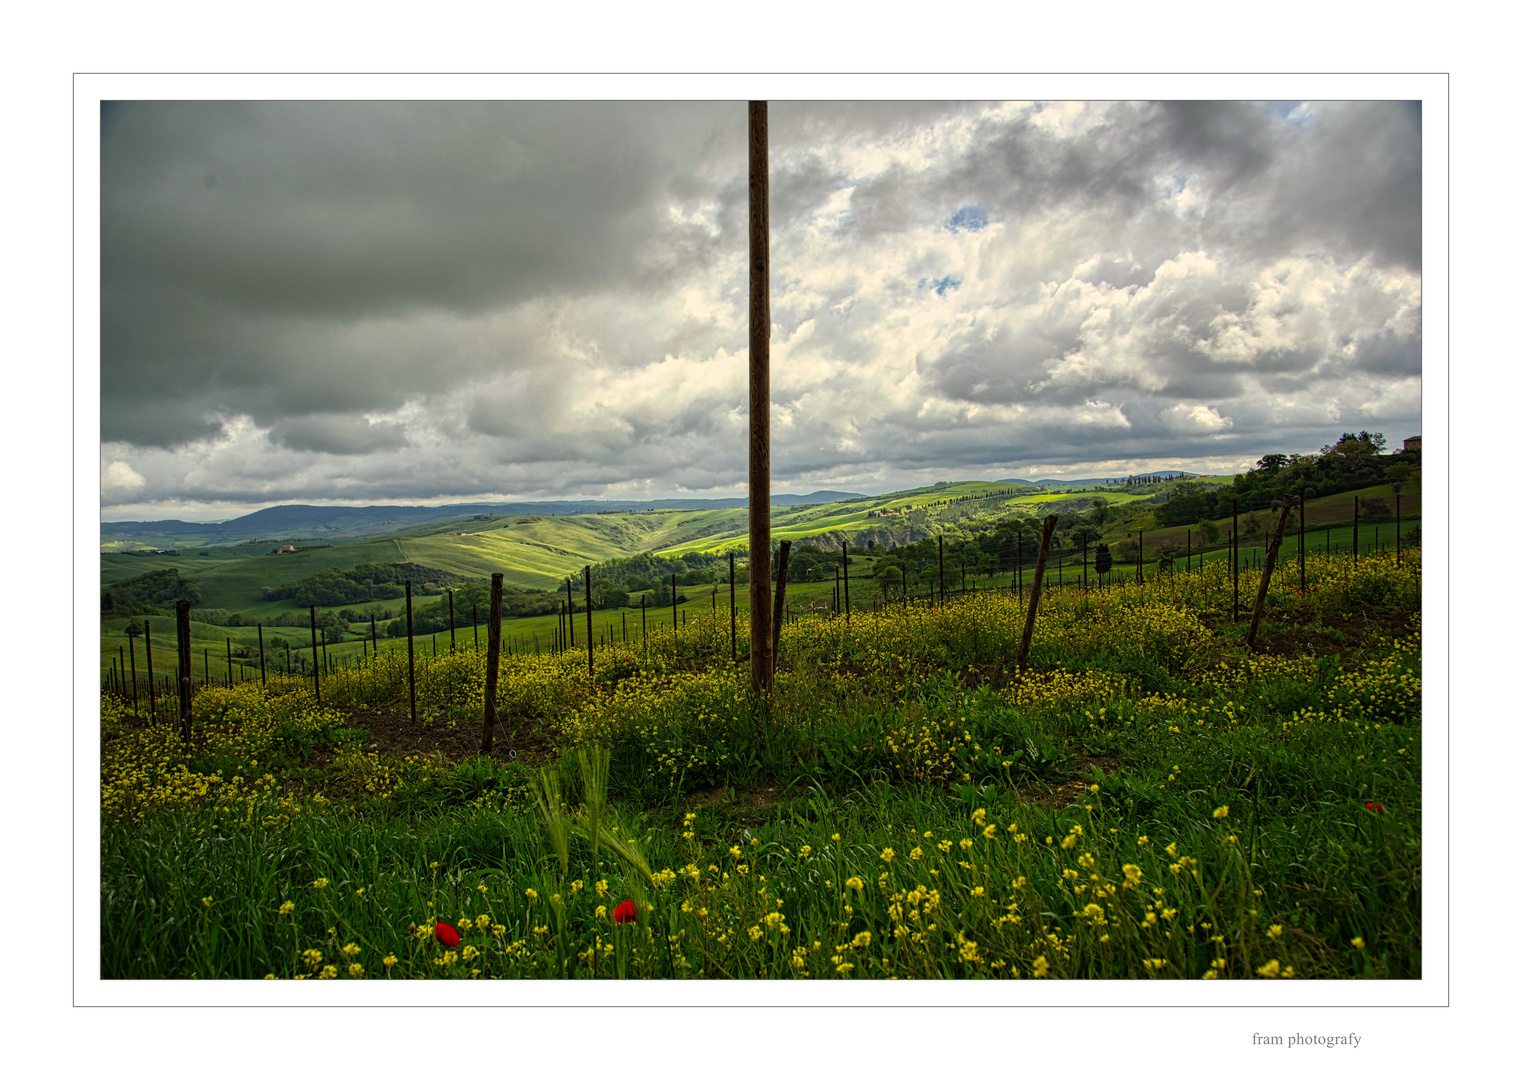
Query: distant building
[
  {"x": 1413, "y": 443},
  {"x": 287, "y": 549}
]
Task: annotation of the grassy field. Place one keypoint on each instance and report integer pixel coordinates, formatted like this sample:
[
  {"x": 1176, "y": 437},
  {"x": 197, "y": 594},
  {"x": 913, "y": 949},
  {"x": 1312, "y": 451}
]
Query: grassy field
[{"x": 1151, "y": 798}]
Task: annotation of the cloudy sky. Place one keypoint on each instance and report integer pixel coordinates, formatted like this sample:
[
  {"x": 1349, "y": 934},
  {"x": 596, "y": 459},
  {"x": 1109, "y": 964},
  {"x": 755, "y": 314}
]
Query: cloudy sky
[{"x": 371, "y": 302}]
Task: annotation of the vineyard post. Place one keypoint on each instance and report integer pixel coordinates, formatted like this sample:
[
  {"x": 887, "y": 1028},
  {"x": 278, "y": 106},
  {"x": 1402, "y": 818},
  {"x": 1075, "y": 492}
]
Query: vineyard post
[
  {"x": 316, "y": 659},
  {"x": 1019, "y": 564},
  {"x": 642, "y": 629},
  {"x": 1397, "y": 534},
  {"x": 475, "y": 629},
  {"x": 904, "y": 571},
  {"x": 153, "y": 713},
  {"x": 845, "y": 577},
  {"x": 780, "y": 604},
  {"x": 121, "y": 665},
  {"x": 1188, "y": 549},
  {"x": 1085, "y": 562},
  {"x": 287, "y": 659},
  {"x": 734, "y": 654},
  {"x": 411, "y": 661},
  {"x": 673, "y": 608},
  {"x": 1268, "y": 569},
  {"x": 229, "y": 663},
  {"x": 1030, "y": 613},
  {"x": 760, "y": 465},
  {"x": 493, "y": 652},
  {"x": 374, "y": 638},
  {"x": 1355, "y": 532},
  {"x": 570, "y": 614},
  {"x": 205, "y": 666},
  {"x": 131, "y": 650},
  {"x": 261, "y": 655},
  {"x": 182, "y": 635},
  {"x": 589, "y": 620},
  {"x": 1235, "y": 606},
  {"x": 451, "y": 621}
]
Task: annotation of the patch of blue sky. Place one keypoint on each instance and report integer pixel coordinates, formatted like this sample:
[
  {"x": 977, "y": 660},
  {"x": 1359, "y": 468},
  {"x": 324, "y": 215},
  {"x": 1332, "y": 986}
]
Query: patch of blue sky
[{"x": 971, "y": 217}]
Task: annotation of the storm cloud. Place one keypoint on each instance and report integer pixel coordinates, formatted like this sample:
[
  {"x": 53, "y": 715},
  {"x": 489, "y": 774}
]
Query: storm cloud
[{"x": 416, "y": 301}]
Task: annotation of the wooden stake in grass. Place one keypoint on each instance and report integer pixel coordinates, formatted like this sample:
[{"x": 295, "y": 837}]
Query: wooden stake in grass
[
  {"x": 589, "y": 621},
  {"x": 411, "y": 661},
  {"x": 316, "y": 659},
  {"x": 262, "y": 680},
  {"x": 570, "y": 613},
  {"x": 182, "y": 635},
  {"x": 673, "y": 608},
  {"x": 451, "y": 622},
  {"x": 1355, "y": 531},
  {"x": 1268, "y": 569},
  {"x": 1140, "y": 557},
  {"x": 1302, "y": 543},
  {"x": 845, "y": 578},
  {"x": 779, "y": 605},
  {"x": 760, "y": 471},
  {"x": 153, "y": 714},
  {"x": 374, "y": 637},
  {"x": 734, "y": 648},
  {"x": 493, "y": 652},
  {"x": 1030, "y": 612},
  {"x": 229, "y": 663}
]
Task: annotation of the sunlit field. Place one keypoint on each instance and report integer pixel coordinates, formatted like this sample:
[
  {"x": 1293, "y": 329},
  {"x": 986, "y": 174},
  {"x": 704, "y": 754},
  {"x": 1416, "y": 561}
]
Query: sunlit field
[{"x": 1149, "y": 799}]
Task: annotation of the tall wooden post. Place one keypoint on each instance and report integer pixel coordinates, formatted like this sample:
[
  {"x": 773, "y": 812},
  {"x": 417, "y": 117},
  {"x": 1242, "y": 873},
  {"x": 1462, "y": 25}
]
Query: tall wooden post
[
  {"x": 1269, "y": 557},
  {"x": 845, "y": 577},
  {"x": 411, "y": 661},
  {"x": 1140, "y": 557},
  {"x": 734, "y": 648},
  {"x": 1086, "y": 562},
  {"x": 1355, "y": 530},
  {"x": 1030, "y": 612},
  {"x": 493, "y": 651},
  {"x": 229, "y": 663},
  {"x": 316, "y": 659},
  {"x": 451, "y": 622},
  {"x": 1397, "y": 535},
  {"x": 182, "y": 636},
  {"x": 153, "y": 714},
  {"x": 570, "y": 613},
  {"x": 674, "y": 636},
  {"x": 589, "y": 620},
  {"x": 780, "y": 601},
  {"x": 262, "y": 679},
  {"x": 760, "y": 475}
]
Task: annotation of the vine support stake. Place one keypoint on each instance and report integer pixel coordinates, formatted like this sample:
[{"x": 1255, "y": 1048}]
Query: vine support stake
[{"x": 1030, "y": 613}]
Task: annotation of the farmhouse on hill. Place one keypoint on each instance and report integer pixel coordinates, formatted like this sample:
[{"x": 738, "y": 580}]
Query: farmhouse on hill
[{"x": 1413, "y": 443}]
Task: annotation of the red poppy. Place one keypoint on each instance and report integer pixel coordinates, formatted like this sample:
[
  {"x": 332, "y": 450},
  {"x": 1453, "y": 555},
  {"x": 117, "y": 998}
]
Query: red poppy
[
  {"x": 1374, "y": 806},
  {"x": 624, "y": 912},
  {"x": 447, "y": 935}
]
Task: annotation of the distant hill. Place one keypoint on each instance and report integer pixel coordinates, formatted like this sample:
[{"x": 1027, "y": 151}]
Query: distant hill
[{"x": 281, "y": 523}]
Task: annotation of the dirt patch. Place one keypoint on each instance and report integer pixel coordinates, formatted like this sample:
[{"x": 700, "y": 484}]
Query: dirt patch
[
  {"x": 394, "y": 732},
  {"x": 1331, "y": 634}
]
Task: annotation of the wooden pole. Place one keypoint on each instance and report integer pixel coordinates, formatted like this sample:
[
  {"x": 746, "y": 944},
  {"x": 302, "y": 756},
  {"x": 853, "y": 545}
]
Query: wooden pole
[
  {"x": 153, "y": 715},
  {"x": 316, "y": 659},
  {"x": 779, "y": 605},
  {"x": 589, "y": 620},
  {"x": 1302, "y": 543},
  {"x": 182, "y": 635},
  {"x": 229, "y": 663},
  {"x": 1397, "y": 542},
  {"x": 845, "y": 577},
  {"x": 760, "y": 471},
  {"x": 1269, "y": 558},
  {"x": 411, "y": 661},
  {"x": 262, "y": 680},
  {"x": 1140, "y": 556},
  {"x": 1355, "y": 531},
  {"x": 475, "y": 628},
  {"x": 673, "y": 608},
  {"x": 1030, "y": 612},
  {"x": 493, "y": 652},
  {"x": 734, "y": 653},
  {"x": 570, "y": 613},
  {"x": 451, "y": 621}
]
